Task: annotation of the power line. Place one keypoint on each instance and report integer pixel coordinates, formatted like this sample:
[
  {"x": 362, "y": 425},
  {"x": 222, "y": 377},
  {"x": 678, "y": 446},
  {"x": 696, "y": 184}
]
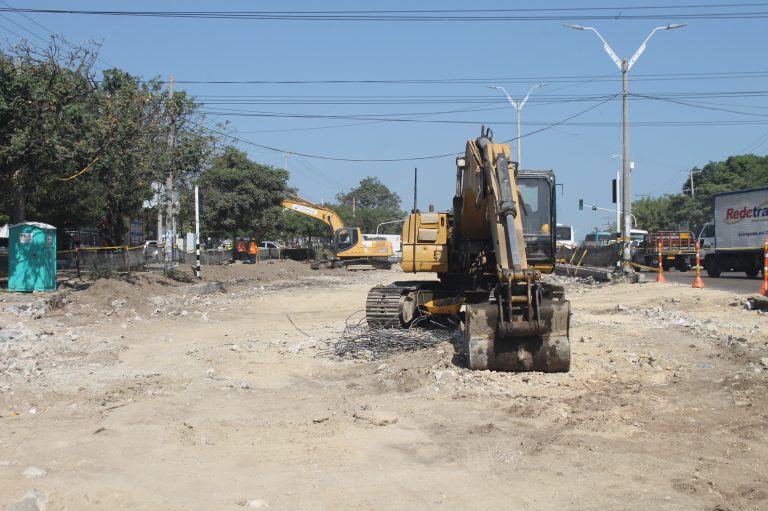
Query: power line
[
  {"x": 446, "y": 15},
  {"x": 693, "y": 105},
  {"x": 481, "y": 121},
  {"x": 372, "y": 160},
  {"x": 51, "y": 32},
  {"x": 483, "y": 81}
]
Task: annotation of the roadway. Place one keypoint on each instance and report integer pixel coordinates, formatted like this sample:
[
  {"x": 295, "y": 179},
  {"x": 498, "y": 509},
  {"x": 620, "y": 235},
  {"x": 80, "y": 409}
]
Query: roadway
[{"x": 735, "y": 282}]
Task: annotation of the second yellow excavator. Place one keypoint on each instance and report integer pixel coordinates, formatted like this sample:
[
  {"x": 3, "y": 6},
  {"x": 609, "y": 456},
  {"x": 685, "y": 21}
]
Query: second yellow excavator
[{"x": 350, "y": 248}]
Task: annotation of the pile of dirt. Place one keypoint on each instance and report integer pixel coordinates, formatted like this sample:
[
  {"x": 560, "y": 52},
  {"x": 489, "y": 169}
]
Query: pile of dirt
[
  {"x": 138, "y": 295},
  {"x": 128, "y": 294},
  {"x": 263, "y": 271}
]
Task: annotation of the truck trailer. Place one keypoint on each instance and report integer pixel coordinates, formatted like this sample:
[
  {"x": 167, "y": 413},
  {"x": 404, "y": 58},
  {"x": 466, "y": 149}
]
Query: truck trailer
[
  {"x": 678, "y": 249},
  {"x": 734, "y": 241}
]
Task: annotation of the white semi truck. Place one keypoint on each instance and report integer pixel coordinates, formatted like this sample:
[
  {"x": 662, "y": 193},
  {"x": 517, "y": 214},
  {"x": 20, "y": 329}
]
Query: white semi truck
[{"x": 735, "y": 240}]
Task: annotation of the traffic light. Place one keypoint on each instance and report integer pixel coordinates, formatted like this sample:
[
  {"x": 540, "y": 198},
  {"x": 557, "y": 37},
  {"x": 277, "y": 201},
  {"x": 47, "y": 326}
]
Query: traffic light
[{"x": 581, "y": 203}]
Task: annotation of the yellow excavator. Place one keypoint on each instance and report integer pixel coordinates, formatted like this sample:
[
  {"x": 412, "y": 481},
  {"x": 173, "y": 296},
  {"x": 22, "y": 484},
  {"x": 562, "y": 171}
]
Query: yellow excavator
[
  {"x": 489, "y": 254},
  {"x": 350, "y": 249}
]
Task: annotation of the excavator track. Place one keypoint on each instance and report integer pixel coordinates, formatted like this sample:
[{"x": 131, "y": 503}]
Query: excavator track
[{"x": 382, "y": 308}]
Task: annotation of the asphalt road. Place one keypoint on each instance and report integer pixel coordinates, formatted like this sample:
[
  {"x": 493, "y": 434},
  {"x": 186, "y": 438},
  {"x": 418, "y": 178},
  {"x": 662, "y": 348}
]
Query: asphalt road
[{"x": 727, "y": 281}]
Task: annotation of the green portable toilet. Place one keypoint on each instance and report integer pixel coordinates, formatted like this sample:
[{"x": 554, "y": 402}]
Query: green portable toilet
[{"x": 32, "y": 257}]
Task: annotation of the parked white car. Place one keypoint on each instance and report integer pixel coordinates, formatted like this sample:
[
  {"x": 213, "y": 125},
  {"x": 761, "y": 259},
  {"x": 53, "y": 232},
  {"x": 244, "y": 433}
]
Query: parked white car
[{"x": 270, "y": 249}]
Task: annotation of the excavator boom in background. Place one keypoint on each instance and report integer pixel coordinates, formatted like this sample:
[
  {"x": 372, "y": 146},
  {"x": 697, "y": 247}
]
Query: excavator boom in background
[
  {"x": 488, "y": 254},
  {"x": 350, "y": 248}
]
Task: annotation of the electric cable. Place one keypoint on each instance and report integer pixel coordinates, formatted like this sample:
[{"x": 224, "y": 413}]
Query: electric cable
[{"x": 414, "y": 158}]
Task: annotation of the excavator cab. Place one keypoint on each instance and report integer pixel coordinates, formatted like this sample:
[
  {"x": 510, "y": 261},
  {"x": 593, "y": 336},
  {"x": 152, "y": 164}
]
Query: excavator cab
[
  {"x": 537, "y": 188},
  {"x": 345, "y": 238}
]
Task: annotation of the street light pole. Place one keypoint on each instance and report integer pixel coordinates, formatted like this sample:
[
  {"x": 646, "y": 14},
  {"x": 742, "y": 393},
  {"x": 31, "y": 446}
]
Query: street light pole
[
  {"x": 624, "y": 66},
  {"x": 517, "y": 106}
]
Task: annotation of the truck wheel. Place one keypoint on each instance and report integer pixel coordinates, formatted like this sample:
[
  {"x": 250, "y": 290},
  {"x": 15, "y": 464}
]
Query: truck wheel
[
  {"x": 713, "y": 269},
  {"x": 753, "y": 272},
  {"x": 683, "y": 266}
]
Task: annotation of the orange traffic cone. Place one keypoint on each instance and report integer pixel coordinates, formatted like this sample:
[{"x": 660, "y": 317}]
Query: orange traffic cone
[
  {"x": 698, "y": 282},
  {"x": 661, "y": 278},
  {"x": 764, "y": 289}
]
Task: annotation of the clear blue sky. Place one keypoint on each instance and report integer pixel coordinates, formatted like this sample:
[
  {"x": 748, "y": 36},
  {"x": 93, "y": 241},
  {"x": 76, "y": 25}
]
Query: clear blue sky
[{"x": 716, "y": 66}]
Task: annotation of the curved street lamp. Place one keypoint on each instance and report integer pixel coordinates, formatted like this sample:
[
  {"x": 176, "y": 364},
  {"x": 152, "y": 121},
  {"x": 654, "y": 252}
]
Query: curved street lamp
[
  {"x": 624, "y": 66},
  {"x": 517, "y": 105}
]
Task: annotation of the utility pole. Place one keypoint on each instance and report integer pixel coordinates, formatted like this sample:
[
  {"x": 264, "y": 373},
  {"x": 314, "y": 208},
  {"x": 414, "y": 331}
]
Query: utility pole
[
  {"x": 618, "y": 202},
  {"x": 170, "y": 224},
  {"x": 624, "y": 66},
  {"x": 18, "y": 213},
  {"x": 691, "y": 174},
  {"x": 285, "y": 160},
  {"x": 160, "y": 236},
  {"x": 197, "y": 234}
]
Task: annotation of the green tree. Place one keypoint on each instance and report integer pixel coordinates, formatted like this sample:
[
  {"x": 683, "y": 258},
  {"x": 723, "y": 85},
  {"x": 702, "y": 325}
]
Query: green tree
[
  {"x": 45, "y": 100},
  {"x": 671, "y": 212},
  {"x": 76, "y": 151},
  {"x": 374, "y": 204},
  {"x": 241, "y": 197}
]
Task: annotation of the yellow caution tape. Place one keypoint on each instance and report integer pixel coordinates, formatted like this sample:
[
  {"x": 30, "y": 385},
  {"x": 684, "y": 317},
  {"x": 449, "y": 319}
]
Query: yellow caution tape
[
  {"x": 73, "y": 176},
  {"x": 649, "y": 268}
]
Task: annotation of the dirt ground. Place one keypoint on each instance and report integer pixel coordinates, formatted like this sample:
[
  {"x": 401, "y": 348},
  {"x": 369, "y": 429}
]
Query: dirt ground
[{"x": 140, "y": 394}]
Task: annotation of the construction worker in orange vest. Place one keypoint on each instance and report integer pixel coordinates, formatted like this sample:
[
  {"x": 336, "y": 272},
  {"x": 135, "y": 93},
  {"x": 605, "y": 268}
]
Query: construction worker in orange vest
[
  {"x": 253, "y": 250},
  {"x": 241, "y": 249}
]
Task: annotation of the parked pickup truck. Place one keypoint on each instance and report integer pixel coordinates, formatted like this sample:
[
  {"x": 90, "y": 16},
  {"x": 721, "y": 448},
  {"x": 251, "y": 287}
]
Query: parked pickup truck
[
  {"x": 678, "y": 249},
  {"x": 734, "y": 241}
]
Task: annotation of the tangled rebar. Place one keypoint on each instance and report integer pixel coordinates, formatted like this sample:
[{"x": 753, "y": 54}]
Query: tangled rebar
[{"x": 359, "y": 340}]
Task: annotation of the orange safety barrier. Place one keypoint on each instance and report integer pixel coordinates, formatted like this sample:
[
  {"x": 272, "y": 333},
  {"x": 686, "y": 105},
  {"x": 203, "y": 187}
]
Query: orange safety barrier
[
  {"x": 698, "y": 282},
  {"x": 660, "y": 278},
  {"x": 764, "y": 289}
]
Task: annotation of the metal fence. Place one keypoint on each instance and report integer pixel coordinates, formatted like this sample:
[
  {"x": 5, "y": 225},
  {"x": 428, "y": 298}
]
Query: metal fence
[{"x": 127, "y": 259}]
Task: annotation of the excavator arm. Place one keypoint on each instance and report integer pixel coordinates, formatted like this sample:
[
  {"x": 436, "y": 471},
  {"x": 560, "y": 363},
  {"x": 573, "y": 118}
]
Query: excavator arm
[
  {"x": 308, "y": 208},
  {"x": 525, "y": 327}
]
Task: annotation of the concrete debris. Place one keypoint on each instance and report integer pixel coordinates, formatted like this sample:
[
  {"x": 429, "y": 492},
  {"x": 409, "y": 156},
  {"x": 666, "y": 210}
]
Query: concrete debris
[
  {"x": 34, "y": 472},
  {"x": 757, "y": 303},
  {"x": 447, "y": 376},
  {"x": 33, "y": 500},
  {"x": 254, "y": 503},
  {"x": 375, "y": 419}
]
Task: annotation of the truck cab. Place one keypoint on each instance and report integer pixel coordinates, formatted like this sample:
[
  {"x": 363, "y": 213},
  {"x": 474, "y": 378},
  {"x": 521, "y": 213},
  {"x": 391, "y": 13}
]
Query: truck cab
[{"x": 707, "y": 239}]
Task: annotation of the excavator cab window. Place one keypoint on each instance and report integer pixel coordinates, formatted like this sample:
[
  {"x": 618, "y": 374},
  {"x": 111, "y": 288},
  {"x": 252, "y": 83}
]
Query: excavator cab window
[
  {"x": 345, "y": 239},
  {"x": 536, "y": 194}
]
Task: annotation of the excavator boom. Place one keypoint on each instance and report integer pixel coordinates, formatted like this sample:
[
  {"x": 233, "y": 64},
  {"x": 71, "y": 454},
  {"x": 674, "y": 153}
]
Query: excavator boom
[{"x": 308, "y": 208}]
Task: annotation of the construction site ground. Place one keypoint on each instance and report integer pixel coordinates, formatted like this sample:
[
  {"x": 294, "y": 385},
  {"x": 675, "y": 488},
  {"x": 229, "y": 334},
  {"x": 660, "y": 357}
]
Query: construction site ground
[{"x": 136, "y": 393}]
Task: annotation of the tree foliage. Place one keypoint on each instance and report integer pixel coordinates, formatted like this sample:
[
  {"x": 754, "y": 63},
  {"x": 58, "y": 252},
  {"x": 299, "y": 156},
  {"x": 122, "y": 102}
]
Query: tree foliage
[
  {"x": 241, "y": 197},
  {"x": 45, "y": 101},
  {"x": 374, "y": 203},
  {"x": 81, "y": 151},
  {"x": 671, "y": 212}
]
